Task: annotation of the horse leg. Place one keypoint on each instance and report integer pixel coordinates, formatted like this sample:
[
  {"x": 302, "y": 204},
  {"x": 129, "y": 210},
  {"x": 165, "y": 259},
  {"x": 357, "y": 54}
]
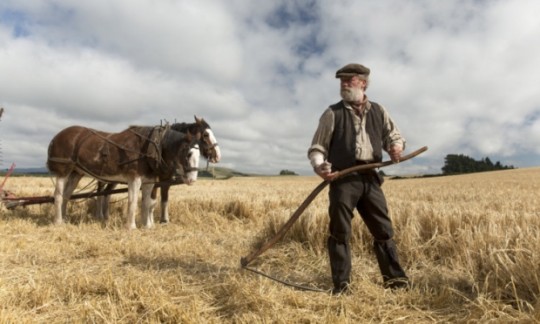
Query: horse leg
[
  {"x": 107, "y": 201},
  {"x": 69, "y": 186},
  {"x": 102, "y": 202},
  {"x": 58, "y": 199},
  {"x": 164, "y": 204},
  {"x": 134, "y": 185},
  {"x": 148, "y": 204},
  {"x": 62, "y": 192}
]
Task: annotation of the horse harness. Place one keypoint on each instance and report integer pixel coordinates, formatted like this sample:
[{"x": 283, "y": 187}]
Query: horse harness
[{"x": 154, "y": 142}]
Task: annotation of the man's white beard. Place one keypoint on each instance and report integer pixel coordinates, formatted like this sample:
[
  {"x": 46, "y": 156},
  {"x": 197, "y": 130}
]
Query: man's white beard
[{"x": 352, "y": 94}]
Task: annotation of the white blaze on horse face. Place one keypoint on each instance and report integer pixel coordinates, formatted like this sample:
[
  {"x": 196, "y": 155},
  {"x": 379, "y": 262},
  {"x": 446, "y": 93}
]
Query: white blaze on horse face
[
  {"x": 212, "y": 141},
  {"x": 193, "y": 162}
]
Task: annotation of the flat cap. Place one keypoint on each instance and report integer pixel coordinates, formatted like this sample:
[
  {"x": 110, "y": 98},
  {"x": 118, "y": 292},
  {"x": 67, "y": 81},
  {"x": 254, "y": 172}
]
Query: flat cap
[{"x": 352, "y": 69}]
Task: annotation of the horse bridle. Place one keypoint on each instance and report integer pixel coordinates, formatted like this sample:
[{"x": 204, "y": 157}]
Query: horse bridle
[
  {"x": 179, "y": 166},
  {"x": 209, "y": 147}
]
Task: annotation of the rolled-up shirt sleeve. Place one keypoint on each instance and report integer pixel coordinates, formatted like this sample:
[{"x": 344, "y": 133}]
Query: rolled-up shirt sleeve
[
  {"x": 320, "y": 144},
  {"x": 391, "y": 133}
]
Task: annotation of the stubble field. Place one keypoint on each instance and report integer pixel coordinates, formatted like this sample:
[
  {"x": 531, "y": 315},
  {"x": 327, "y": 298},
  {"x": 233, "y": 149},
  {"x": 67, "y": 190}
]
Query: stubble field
[{"x": 469, "y": 243}]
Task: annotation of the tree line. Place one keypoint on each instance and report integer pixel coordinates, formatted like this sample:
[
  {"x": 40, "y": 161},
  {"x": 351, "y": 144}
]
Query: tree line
[{"x": 459, "y": 163}]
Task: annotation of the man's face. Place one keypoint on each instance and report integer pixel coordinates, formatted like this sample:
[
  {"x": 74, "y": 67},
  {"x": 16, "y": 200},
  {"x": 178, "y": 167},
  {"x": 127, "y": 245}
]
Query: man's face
[
  {"x": 352, "y": 88},
  {"x": 350, "y": 82}
]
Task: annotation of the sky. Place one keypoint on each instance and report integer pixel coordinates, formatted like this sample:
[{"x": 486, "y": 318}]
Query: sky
[{"x": 458, "y": 76}]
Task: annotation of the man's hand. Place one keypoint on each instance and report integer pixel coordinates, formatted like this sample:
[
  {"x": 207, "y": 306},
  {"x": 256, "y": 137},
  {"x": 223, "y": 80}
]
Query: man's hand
[
  {"x": 395, "y": 152},
  {"x": 324, "y": 170}
]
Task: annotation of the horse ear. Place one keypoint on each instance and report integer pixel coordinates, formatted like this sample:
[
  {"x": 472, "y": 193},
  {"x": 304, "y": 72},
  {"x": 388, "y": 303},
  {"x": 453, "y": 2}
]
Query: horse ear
[{"x": 197, "y": 119}]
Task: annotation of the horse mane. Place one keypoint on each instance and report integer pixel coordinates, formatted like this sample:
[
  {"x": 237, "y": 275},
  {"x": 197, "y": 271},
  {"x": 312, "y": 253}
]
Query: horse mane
[
  {"x": 192, "y": 128},
  {"x": 182, "y": 127}
]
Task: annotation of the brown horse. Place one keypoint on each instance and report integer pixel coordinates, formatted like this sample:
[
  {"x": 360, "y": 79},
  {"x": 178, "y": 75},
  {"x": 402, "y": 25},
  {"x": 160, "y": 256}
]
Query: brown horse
[
  {"x": 209, "y": 150},
  {"x": 138, "y": 156}
]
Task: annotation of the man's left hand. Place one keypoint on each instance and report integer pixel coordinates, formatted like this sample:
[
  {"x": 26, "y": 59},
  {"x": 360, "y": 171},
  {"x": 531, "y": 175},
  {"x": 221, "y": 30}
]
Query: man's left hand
[{"x": 395, "y": 152}]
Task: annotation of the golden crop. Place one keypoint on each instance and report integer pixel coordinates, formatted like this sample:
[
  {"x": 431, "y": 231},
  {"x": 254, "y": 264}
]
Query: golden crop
[{"x": 470, "y": 244}]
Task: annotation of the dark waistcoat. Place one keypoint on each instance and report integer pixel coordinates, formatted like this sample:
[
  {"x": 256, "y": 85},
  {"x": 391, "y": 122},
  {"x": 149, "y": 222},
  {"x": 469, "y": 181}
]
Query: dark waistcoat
[{"x": 342, "y": 151}]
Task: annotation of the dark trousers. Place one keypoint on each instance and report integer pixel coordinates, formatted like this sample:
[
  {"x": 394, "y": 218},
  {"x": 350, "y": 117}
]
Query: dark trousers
[{"x": 363, "y": 192}]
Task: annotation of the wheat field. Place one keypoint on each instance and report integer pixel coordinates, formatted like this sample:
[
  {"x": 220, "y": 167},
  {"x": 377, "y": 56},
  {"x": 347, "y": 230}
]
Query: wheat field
[{"x": 469, "y": 243}]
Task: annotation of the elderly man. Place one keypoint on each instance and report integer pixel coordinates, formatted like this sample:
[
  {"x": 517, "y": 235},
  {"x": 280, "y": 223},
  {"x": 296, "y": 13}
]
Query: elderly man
[{"x": 351, "y": 132}]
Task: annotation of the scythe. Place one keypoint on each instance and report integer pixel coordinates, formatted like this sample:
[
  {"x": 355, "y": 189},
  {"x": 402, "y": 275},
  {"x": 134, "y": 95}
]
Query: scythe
[{"x": 245, "y": 261}]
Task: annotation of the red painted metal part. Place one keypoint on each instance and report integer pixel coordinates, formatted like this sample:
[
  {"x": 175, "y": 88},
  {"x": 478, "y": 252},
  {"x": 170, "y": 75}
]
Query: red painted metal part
[{"x": 10, "y": 171}]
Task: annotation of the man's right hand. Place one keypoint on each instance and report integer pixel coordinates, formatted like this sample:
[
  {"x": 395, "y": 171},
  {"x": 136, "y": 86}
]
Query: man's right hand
[{"x": 324, "y": 170}]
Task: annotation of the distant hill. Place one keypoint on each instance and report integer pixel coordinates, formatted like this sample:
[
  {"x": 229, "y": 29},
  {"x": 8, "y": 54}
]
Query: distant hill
[
  {"x": 22, "y": 171},
  {"x": 222, "y": 173},
  {"x": 212, "y": 172}
]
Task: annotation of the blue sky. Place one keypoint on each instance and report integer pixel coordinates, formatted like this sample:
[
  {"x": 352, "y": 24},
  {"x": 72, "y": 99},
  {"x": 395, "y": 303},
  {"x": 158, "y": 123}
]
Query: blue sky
[{"x": 460, "y": 77}]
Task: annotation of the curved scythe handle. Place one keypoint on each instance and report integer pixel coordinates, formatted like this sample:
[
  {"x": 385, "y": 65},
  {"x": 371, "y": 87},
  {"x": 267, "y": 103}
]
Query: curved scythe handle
[
  {"x": 279, "y": 235},
  {"x": 381, "y": 164},
  {"x": 244, "y": 261}
]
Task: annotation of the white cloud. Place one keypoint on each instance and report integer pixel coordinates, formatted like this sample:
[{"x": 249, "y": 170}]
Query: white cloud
[{"x": 458, "y": 76}]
